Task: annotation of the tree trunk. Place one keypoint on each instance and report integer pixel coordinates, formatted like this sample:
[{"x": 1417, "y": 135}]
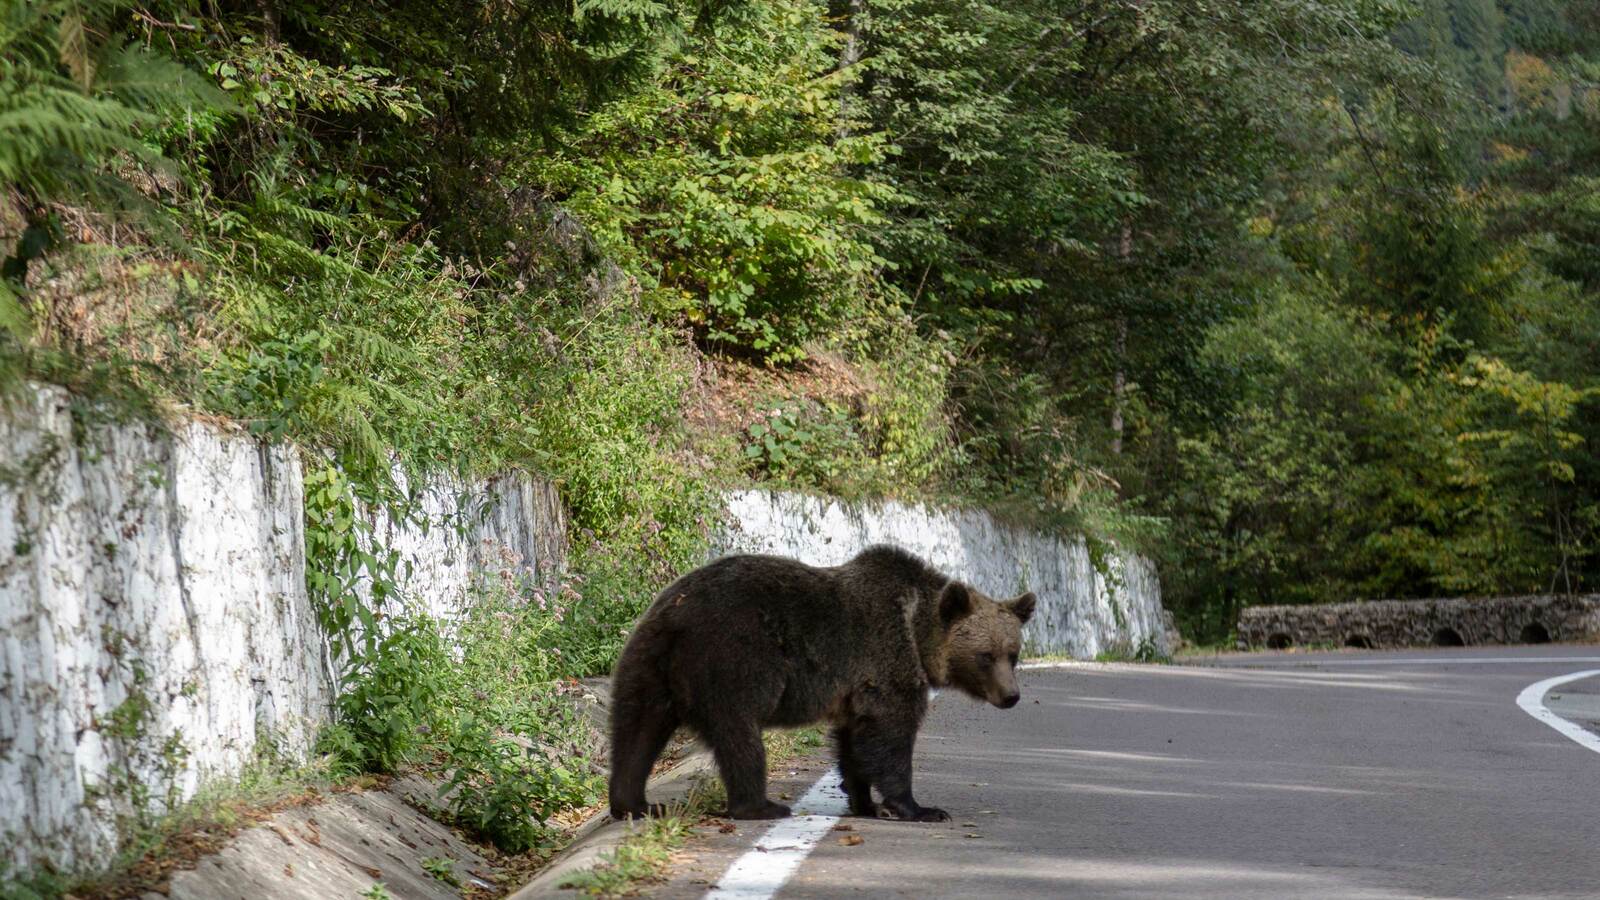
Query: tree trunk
[
  {"x": 849, "y": 55},
  {"x": 271, "y": 26},
  {"x": 1119, "y": 380}
]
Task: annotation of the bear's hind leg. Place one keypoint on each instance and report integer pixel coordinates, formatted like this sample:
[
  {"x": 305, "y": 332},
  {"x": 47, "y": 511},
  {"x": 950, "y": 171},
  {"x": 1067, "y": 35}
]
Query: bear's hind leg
[
  {"x": 742, "y": 761},
  {"x": 856, "y": 784},
  {"x": 636, "y": 741}
]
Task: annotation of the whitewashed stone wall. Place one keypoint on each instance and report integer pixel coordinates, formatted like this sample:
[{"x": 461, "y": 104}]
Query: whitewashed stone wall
[
  {"x": 154, "y": 622},
  {"x": 1081, "y": 612},
  {"x": 512, "y": 526}
]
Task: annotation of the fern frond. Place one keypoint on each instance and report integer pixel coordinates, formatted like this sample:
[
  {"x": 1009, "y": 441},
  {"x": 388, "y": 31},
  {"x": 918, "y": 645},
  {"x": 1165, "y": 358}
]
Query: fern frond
[
  {"x": 51, "y": 132},
  {"x": 400, "y": 400},
  {"x": 297, "y": 213},
  {"x": 310, "y": 260},
  {"x": 373, "y": 348},
  {"x": 343, "y": 410},
  {"x": 157, "y": 84},
  {"x": 71, "y": 111}
]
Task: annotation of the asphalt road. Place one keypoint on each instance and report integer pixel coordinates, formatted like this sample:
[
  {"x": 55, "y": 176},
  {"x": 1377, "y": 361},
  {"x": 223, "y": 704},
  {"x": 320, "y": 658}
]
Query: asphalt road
[{"x": 1349, "y": 774}]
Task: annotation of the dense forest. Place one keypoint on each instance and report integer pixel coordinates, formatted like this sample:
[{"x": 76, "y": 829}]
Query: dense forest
[{"x": 1302, "y": 297}]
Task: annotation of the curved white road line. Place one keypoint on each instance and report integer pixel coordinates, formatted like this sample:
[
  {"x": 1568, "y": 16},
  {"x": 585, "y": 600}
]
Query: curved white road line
[
  {"x": 763, "y": 869},
  {"x": 1532, "y": 702}
]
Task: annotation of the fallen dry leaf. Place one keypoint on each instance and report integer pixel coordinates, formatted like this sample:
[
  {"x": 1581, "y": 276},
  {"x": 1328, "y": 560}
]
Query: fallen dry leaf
[
  {"x": 728, "y": 828},
  {"x": 844, "y": 826},
  {"x": 851, "y": 840}
]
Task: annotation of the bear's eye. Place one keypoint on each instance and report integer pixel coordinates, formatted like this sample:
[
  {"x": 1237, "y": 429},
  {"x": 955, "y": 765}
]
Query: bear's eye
[{"x": 985, "y": 660}]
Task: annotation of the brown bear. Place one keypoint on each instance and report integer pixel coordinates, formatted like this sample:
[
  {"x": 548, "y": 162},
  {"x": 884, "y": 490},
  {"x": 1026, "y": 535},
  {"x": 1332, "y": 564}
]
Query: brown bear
[{"x": 749, "y": 642}]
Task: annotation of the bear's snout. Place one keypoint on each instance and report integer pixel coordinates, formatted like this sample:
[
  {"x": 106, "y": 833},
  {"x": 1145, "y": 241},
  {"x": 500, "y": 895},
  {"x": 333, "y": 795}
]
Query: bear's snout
[{"x": 1009, "y": 701}]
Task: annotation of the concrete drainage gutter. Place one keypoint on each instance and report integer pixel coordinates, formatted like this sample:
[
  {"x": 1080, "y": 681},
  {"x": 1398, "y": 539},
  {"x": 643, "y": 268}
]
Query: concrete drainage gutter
[{"x": 600, "y": 834}]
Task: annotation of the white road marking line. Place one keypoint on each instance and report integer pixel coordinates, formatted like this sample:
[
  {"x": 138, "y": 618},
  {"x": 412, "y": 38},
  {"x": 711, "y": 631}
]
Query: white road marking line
[
  {"x": 763, "y": 869},
  {"x": 1532, "y": 702}
]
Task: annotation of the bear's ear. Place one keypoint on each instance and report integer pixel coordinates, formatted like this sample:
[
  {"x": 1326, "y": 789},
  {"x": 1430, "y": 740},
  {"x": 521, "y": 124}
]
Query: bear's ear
[
  {"x": 955, "y": 601},
  {"x": 1022, "y": 607}
]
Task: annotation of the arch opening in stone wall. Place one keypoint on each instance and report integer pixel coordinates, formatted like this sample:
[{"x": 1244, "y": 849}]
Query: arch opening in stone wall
[
  {"x": 1358, "y": 642},
  {"x": 1279, "y": 640},
  {"x": 1448, "y": 637},
  {"x": 1534, "y": 633}
]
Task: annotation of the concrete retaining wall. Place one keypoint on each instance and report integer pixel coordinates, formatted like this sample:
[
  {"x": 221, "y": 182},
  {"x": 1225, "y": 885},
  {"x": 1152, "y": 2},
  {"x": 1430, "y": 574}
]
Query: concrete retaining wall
[
  {"x": 1082, "y": 612},
  {"x": 1421, "y": 623},
  {"x": 154, "y": 625}
]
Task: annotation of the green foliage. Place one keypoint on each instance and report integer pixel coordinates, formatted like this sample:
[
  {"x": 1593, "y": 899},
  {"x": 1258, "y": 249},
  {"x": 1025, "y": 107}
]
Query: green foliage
[
  {"x": 727, "y": 186},
  {"x": 1261, "y": 496},
  {"x": 387, "y": 699},
  {"x": 640, "y": 859},
  {"x": 442, "y": 869},
  {"x": 504, "y": 789},
  {"x": 805, "y": 445},
  {"x": 482, "y": 703},
  {"x": 513, "y": 746},
  {"x": 350, "y": 576},
  {"x": 76, "y": 112}
]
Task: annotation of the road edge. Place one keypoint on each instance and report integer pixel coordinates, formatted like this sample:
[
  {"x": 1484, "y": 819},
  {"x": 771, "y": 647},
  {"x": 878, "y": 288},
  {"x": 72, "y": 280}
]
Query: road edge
[{"x": 600, "y": 834}]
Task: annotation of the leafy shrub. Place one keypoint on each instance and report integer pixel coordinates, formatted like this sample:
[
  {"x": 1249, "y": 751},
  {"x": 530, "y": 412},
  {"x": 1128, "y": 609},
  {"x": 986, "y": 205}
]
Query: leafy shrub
[
  {"x": 504, "y": 786},
  {"x": 513, "y": 745},
  {"x": 727, "y": 186},
  {"x": 807, "y": 444},
  {"x": 388, "y": 699}
]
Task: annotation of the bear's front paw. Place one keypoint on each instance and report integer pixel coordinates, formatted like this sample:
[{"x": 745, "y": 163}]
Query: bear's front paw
[
  {"x": 867, "y": 809},
  {"x": 931, "y": 814},
  {"x": 767, "y": 810}
]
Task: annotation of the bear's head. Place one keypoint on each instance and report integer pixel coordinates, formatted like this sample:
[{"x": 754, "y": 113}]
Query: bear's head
[{"x": 984, "y": 639}]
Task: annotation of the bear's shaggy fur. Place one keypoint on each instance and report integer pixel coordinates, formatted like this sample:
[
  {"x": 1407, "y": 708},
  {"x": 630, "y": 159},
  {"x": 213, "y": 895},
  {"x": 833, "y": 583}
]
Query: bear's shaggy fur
[{"x": 749, "y": 642}]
